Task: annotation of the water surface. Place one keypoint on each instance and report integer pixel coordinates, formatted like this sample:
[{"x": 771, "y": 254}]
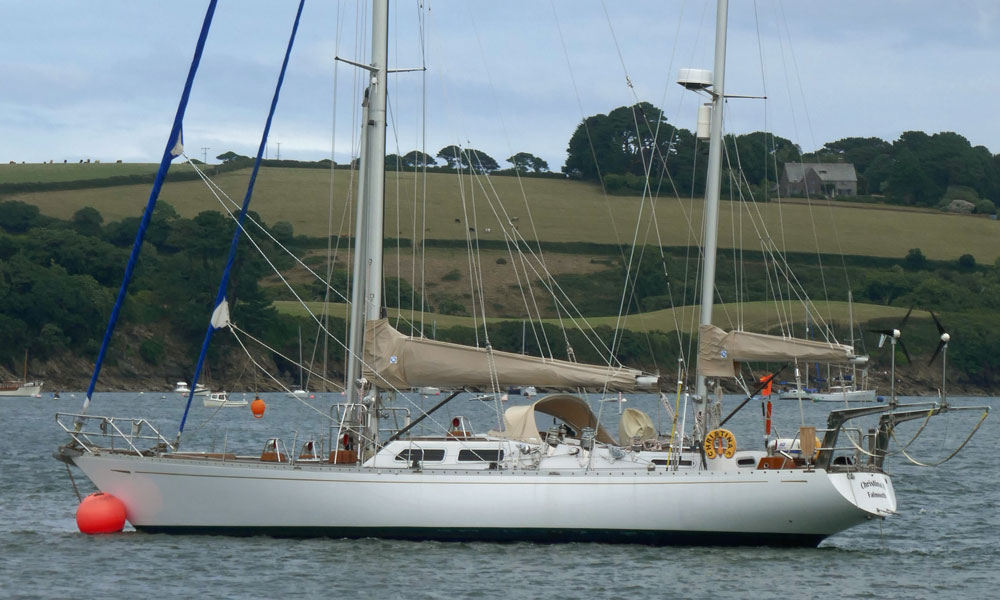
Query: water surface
[{"x": 943, "y": 543}]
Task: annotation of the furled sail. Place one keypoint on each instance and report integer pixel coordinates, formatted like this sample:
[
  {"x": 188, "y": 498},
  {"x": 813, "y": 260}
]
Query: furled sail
[
  {"x": 718, "y": 350},
  {"x": 405, "y": 362}
]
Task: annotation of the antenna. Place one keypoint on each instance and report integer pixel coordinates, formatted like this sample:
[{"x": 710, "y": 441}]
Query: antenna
[{"x": 278, "y": 153}]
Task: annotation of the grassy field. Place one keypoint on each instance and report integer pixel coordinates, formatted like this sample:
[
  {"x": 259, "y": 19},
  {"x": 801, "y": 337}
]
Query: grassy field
[
  {"x": 755, "y": 316},
  {"x": 550, "y": 210},
  {"x": 46, "y": 173}
]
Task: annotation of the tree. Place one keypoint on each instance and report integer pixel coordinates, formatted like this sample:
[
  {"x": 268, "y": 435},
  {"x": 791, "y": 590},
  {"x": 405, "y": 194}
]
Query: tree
[
  {"x": 859, "y": 151},
  {"x": 87, "y": 221},
  {"x": 915, "y": 259},
  {"x": 481, "y": 162},
  {"x": 459, "y": 158},
  {"x": 909, "y": 183},
  {"x": 623, "y": 141},
  {"x": 985, "y": 207},
  {"x": 452, "y": 155},
  {"x": 417, "y": 159},
  {"x": 17, "y": 216},
  {"x": 283, "y": 231},
  {"x": 393, "y": 162},
  {"x": 528, "y": 163},
  {"x": 230, "y": 155},
  {"x": 761, "y": 155}
]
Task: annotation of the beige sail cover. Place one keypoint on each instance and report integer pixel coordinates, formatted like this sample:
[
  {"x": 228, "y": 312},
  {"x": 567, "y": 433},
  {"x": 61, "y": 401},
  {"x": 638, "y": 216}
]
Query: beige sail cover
[
  {"x": 405, "y": 362},
  {"x": 519, "y": 421},
  {"x": 635, "y": 424},
  {"x": 718, "y": 350}
]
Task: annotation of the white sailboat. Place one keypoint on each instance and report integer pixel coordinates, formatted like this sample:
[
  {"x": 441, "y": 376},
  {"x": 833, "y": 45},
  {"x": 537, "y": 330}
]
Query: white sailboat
[
  {"x": 22, "y": 388},
  {"x": 28, "y": 389},
  {"x": 573, "y": 482},
  {"x": 848, "y": 388},
  {"x": 845, "y": 388}
]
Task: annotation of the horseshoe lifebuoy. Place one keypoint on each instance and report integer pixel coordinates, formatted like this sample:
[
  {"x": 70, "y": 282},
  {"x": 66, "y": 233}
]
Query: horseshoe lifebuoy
[{"x": 720, "y": 442}]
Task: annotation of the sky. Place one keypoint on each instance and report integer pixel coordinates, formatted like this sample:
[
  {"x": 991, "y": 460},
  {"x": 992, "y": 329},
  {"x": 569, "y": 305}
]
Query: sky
[{"x": 101, "y": 80}]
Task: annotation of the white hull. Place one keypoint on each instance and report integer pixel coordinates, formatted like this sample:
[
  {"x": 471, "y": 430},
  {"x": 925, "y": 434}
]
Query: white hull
[
  {"x": 216, "y": 403},
  {"x": 737, "y": 506},
  {"x": 796, "y": 395},
  {"x": 199, "y": 391},
  {"x": 28, "y": 390},
  {"x": 845, "y": 396}
]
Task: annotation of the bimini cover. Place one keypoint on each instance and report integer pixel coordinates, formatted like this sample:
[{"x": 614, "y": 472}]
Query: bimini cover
[
  {"x": 403, "y": 362},
  {"x": 718, "y": 350},
  {"x": 635, "y": 424},
  {"x": 519, "y": 421}
]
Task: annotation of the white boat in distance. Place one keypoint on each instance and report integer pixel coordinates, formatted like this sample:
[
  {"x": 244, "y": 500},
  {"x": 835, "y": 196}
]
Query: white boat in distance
[
  {"x": 30, "y": 389},
  {"x": 222, "y": 399},
  {"x": 183, "y": 388},
  {"x": 571, "y": 482},
  {"x": 22, "y": 387},
  {"x": 844, "y": 393}
]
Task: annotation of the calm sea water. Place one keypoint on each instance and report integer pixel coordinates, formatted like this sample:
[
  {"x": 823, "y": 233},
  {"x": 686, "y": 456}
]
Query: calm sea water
[{"x": 944, "y": 542}]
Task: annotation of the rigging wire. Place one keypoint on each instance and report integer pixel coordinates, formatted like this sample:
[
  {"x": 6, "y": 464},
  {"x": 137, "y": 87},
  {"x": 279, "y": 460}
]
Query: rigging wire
[
  {"x": 331, "y": 254},
  {"x": 219, "y": 195},
  {"x": 517, "y": 175},
  {"x": 224, "y": 283}
]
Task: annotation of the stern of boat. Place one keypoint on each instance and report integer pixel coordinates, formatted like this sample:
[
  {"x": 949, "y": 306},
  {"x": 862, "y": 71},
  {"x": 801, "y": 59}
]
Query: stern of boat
[{"x": 871, "y": 492}]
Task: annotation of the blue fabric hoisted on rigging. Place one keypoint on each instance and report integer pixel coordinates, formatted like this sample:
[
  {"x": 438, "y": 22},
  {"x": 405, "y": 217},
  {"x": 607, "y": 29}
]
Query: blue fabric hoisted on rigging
[
  {"x": 174, "y": 145},
  {"x": 224, "y": 283}
]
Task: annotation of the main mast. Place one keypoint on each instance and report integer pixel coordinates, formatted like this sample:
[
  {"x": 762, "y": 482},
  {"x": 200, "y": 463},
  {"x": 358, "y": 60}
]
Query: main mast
[
  {"x": 714, "y": 179},
  {"x": 366, "y": 294}
]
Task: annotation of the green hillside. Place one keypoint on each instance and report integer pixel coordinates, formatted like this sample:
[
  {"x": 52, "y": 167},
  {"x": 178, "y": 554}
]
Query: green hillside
[
  {"x": 52, "y": 172},
  {"x": 60, "y": 267},
  {"x": 556, "y": 210},
  {"x": 756, "y": 316}
]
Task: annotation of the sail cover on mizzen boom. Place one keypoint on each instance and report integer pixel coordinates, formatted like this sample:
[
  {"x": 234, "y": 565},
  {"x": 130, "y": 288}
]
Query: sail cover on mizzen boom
[
  {"x": 718, "y": 350},
  {"x": 405, "y": 362}
]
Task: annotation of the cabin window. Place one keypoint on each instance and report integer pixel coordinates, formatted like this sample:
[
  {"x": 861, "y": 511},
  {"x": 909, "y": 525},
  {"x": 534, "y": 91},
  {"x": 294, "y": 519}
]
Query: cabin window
[
  {"x": 746, "y": 462},
  {"x": 663, "y": 462},
  {"x": 421, "y": 455},
  {"x": 480, "y": 455}
]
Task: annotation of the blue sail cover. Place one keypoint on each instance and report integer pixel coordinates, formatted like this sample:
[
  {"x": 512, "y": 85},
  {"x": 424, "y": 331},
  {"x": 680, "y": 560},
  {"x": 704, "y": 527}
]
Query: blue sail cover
[
  {"x": 220, "y": 298},
  {"x": 173, "y": 148}
]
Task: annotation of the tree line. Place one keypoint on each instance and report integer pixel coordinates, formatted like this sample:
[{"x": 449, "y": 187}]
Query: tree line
[
  {"x": 59, "y": 278},
  {"x": 452, "y": 157},
  {"x": 618, "y": 149}
]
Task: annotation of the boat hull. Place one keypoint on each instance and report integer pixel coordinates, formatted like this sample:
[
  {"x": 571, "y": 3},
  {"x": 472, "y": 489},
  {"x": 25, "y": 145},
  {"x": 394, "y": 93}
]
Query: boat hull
[
  {"x": 741, "y": 507},
  {"x": 847, "y": 396},
  {"x": 27, "y": 390},
  {"x": 212, "y": 403}
]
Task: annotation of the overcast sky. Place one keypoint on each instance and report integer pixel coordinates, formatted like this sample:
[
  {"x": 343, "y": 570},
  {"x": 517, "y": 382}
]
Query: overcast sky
[{"x": 101, "y": 79}]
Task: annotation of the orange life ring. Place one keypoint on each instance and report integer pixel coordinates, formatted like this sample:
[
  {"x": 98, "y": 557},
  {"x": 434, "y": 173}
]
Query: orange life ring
[{"x": 719, "y": 443}]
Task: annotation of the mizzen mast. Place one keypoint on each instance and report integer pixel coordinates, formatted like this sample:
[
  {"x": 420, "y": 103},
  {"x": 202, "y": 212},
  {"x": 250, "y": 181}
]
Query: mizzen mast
[
  {"x": 366, "y": 293},
  {"x": 714, "y": 179}
]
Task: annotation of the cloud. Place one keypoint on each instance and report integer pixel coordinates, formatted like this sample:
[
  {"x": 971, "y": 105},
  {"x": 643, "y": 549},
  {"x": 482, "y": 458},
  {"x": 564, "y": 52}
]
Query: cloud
[{"x": 82, "y": 84}]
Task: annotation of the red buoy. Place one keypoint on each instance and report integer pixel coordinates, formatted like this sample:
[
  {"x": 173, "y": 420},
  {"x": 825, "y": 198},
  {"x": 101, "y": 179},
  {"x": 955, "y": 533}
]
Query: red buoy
[
  {"x": 100, "y": 513},
  {"x": 258, "y": 407}
]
